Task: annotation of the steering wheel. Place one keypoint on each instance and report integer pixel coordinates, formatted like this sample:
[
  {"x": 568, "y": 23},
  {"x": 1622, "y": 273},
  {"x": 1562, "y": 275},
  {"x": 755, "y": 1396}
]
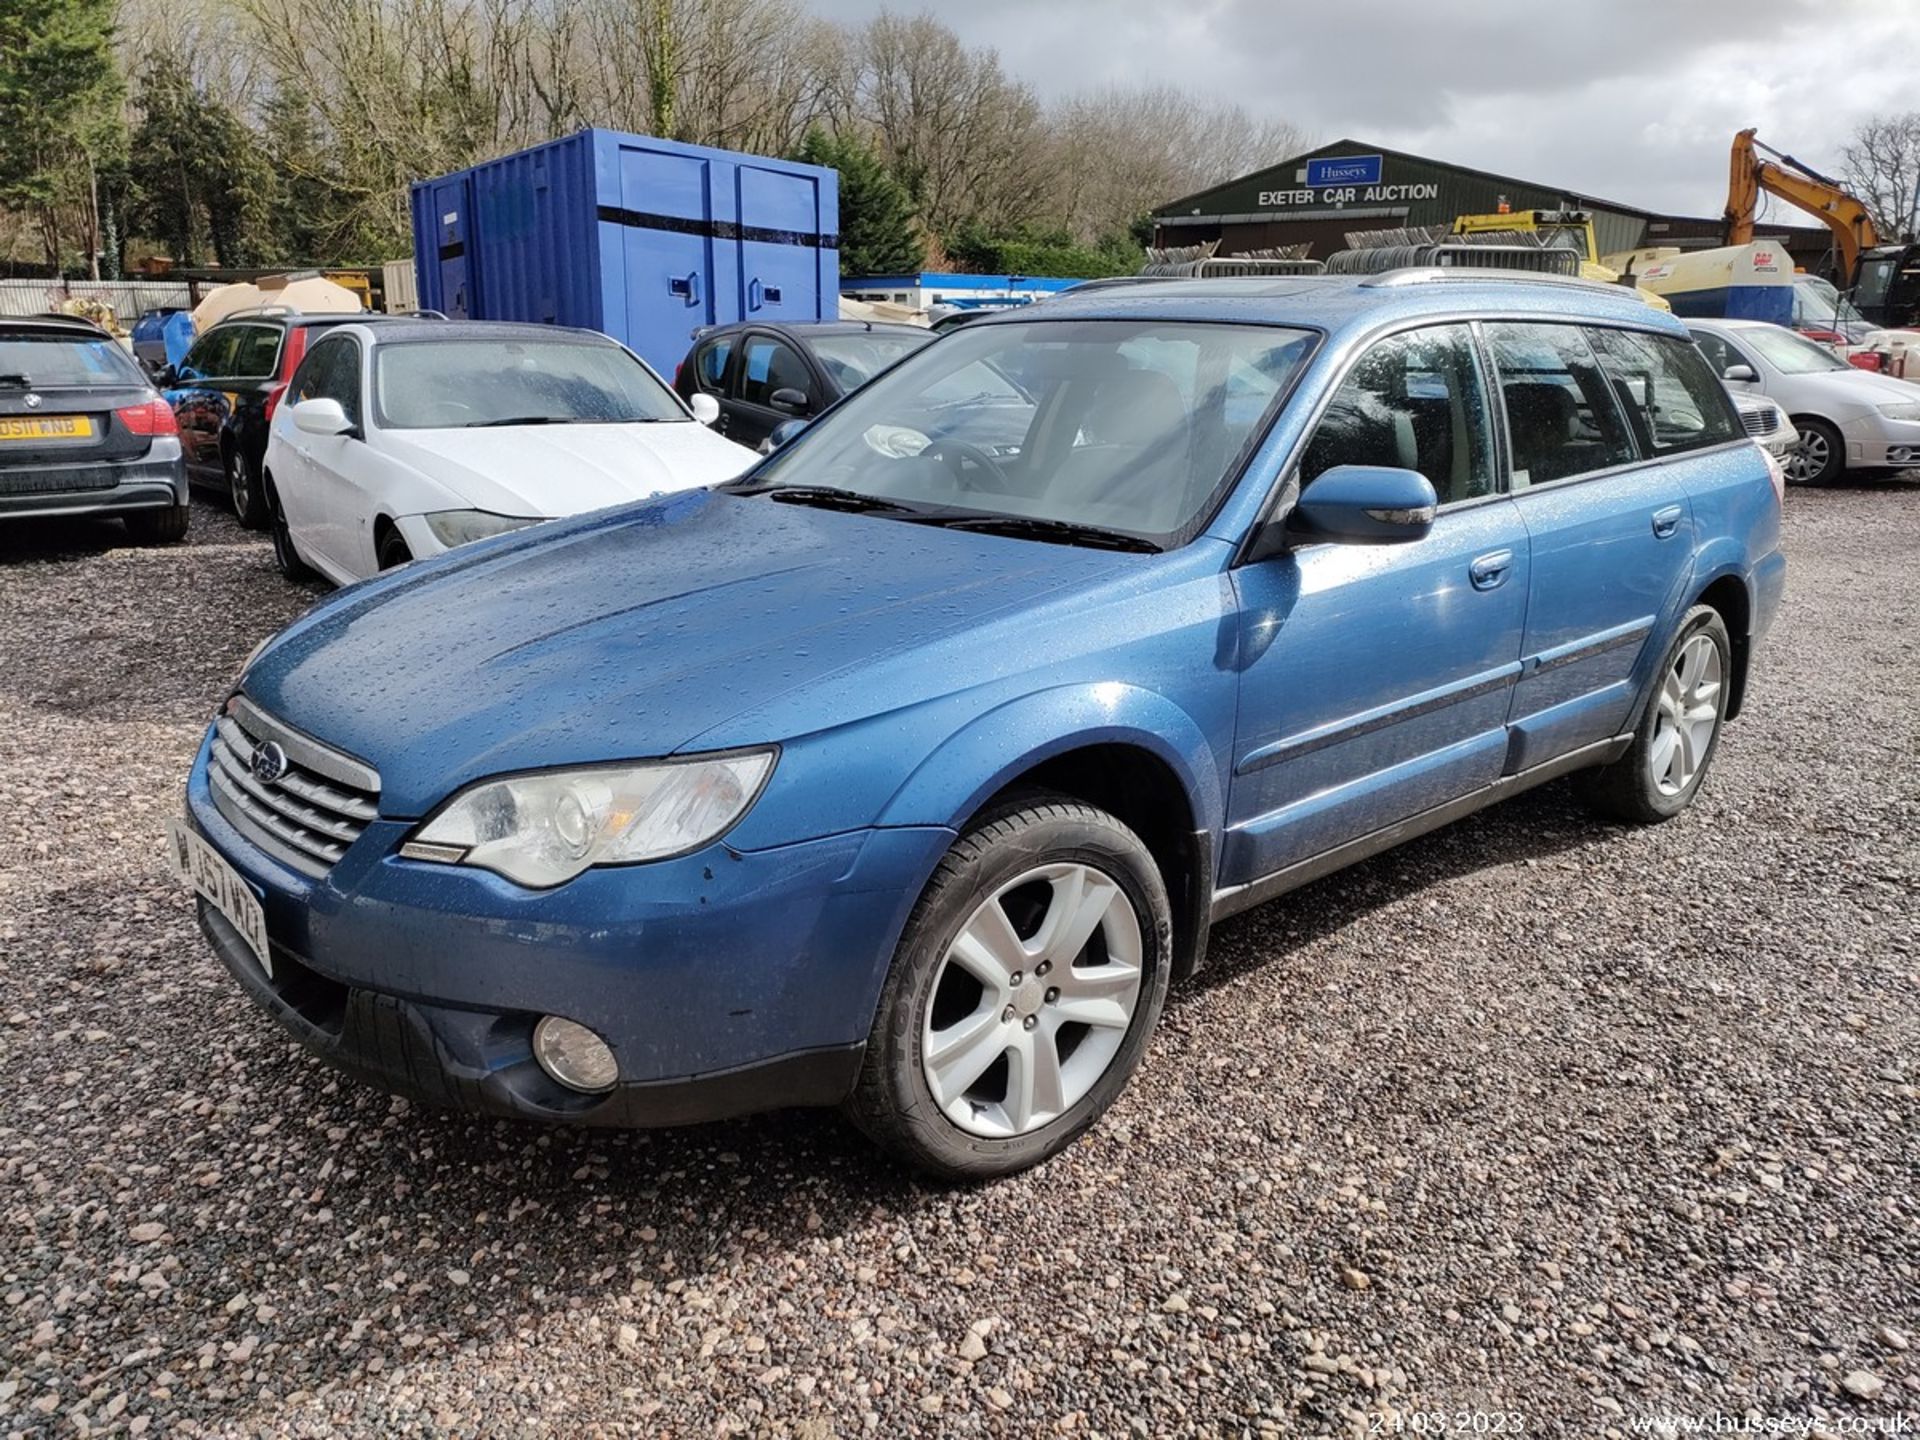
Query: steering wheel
[{"x": 957, "y": 455}]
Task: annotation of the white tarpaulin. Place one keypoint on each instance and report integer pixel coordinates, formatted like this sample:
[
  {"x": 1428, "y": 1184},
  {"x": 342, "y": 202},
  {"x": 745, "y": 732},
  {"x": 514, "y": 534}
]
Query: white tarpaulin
[{"x": 310, "y": 295}]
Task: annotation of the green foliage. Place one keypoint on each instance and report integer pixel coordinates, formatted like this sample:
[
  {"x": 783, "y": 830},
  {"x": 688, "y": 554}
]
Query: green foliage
[
  {"x": 877, "y": 231},
  {"x": 1042, "y": 251},
  {"x": 200, "y": 178},
  {"x": 59, "y": 115}
]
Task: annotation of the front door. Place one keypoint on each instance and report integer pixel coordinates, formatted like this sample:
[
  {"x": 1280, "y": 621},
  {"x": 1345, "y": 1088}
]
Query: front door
[
  {"x": 767, "y": 367},
  {"x": 1608, "y": 518},
  {"x": 1375, "y": 680},
  {"x": 334, "y": 497}
]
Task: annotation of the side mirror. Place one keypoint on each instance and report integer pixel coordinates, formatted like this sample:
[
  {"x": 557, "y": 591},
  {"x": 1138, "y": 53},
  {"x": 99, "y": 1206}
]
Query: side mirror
[
  {"x": 782, "y": 434},
  {"x": 789, "y": 399},
  {"x": 1365, "y": 505},
  {"x": 321, "y": 417},
  {"x": 165, "y": 377},
  {"x": 705, "y": 408},
  {"x": 1740, "y": 375}
]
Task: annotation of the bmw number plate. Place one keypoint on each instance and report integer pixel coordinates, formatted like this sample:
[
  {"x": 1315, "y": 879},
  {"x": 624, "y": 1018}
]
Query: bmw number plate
[{"x": 201, "y": 866}]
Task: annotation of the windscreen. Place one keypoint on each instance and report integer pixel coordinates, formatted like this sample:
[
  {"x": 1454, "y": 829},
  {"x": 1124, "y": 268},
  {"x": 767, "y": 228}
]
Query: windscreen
[
  {"x": 852, "y": 360},
  {"x": 458, "y": 384},
  {"x": 1789, "y": 353},
  {"x": 54, "y": 362},
  {"x": 1128, "y": 425}
]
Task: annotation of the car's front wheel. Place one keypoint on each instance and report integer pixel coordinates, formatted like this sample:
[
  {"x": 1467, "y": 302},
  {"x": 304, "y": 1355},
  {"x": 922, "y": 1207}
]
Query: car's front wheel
[
  {"x": 393, "y": 551},
  {"x": 243, "y": 484},
  {"x": 1022, "y": 996},
  {"x": 1821, "y": 455}
]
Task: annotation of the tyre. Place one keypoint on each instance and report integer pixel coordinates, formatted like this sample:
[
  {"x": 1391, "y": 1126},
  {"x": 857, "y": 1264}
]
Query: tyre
[
  {"x": 285, "y": 555},
  {"x": 163, "y": 525},
  {"x": 243, "y": 485},
  {"x": 393, "y": 551},
  {"x": 1026, "y": 985},
  {"x": 1661, "y": 771},
  {"x": 1821, "y": 456}
]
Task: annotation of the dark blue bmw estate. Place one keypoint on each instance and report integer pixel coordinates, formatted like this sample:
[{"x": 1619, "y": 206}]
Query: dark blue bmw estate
[{"x": 906, "y": 772}]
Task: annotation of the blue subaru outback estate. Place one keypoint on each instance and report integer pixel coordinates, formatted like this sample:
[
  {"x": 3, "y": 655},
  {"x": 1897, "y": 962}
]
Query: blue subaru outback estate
[{"x": 906, "y": 772}]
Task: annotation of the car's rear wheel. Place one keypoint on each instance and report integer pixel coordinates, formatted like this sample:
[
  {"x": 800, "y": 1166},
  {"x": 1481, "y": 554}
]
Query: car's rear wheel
[
  {"x": 1022, "y": 996},
  {"x": 393, "y": 551},
  {"x": 285, "y": 554},
  {"x": 1821, "y": 455},
  {"x": 163, "y": 525},
  {"x": 243, "y": 484},
  {"x": 1661, "y": 771}
]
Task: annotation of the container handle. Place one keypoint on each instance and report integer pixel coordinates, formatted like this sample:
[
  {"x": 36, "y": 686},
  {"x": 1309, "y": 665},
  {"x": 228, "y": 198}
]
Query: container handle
[
  {"x": 687, "y": 286},
  {"x": 753, "y": 295}
]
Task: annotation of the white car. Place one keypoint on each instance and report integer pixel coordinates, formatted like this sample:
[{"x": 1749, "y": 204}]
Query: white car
[
  {"x": 1767, "y": 423},
  {"x": 1848, "y": 419},
  {"x": 401, "y": 439}
]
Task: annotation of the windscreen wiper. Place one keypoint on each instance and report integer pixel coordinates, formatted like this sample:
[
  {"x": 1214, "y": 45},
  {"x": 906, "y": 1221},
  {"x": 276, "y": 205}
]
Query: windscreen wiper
[
  {"x": 25, "y": 382},
  {"x": 828, "y": 497},
  {"x": 526, "y": 420},
  {"x": 1034, "y": 527}
]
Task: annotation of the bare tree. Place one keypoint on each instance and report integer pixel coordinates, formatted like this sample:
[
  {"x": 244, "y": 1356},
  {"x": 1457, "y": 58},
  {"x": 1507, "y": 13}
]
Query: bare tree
[{"x": 1883, "y": 168}]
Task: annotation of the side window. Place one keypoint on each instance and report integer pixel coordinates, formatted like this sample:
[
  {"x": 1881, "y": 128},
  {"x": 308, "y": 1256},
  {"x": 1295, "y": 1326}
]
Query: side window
[
  {"x": 767, "y": 366},
  {"x": 1720, "y": 355},
  {"x": 1414, "y": 402},
  {"x": 310, "y": 380},
  {"x": 256, "y": 352},
  {"x": 1562, "y": 419},
  {"x": 710, "y": 364},
  {"x": 331, "y": 371},
  {"x": 210, "y": 355},
  {"x": 1672, "y": 400}
]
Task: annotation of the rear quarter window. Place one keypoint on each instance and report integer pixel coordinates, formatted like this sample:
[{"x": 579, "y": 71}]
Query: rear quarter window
[{"x": 1670, "y": 396}]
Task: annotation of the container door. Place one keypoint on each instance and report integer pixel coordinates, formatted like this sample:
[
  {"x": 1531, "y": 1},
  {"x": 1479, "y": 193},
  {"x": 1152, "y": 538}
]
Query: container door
[
  {"x": 779, "y": 246},
  {"x": 666, "y": 219},
  {"x": 450, "y": 206}
]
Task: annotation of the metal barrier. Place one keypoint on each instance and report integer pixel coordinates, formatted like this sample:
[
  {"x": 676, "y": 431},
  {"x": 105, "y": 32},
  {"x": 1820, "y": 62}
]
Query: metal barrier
[{"x": 1530, "y": 259}]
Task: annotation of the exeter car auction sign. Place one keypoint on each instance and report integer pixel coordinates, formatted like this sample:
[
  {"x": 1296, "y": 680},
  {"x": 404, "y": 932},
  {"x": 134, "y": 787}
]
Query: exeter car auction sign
[{"x": 1343, "y": 180}]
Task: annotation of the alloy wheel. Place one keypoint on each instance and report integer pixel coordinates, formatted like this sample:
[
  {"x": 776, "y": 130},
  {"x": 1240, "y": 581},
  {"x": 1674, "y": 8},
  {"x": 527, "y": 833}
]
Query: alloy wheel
[
  {"x": 238, "y": 485},
  {"x": 1032, "y": 1000},
  {"x": 1809, "y": 458},
  {"x": 1689, "y": 712}
]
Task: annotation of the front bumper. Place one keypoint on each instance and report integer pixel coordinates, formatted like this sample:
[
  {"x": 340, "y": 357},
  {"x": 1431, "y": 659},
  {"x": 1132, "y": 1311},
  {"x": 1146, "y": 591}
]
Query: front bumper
[
  {"x": 158, "y": 478},
  {"x": 726, "y": 981},
  {"x": 1875, "y": 442}
]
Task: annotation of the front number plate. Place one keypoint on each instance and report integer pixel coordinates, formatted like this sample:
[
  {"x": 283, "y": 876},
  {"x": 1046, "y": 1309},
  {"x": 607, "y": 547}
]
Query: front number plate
[{"x": 201, "y": 866}]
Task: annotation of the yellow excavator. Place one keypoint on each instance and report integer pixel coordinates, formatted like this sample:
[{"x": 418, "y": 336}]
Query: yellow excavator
[
  {"x": 1563, "y": 229},
  {"x": 1885, "y": 279}
]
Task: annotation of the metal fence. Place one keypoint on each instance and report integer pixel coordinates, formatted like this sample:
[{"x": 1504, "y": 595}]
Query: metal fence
[{"x": 127, "y": 298}]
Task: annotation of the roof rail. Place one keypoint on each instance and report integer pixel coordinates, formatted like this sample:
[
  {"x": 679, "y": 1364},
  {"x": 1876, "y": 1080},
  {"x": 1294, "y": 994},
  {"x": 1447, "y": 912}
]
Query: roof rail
[
  {"x": 258, "y": 310},
  {"x": 1433, "y": 274}
]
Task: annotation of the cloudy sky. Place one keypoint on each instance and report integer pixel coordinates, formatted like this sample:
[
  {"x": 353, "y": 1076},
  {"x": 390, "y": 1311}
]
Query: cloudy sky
[{"x": 1629, "y": 100}]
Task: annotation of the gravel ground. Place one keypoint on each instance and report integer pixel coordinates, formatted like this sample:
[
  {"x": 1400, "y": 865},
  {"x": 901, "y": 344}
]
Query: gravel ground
[{"x": 1536, "y": 1116}]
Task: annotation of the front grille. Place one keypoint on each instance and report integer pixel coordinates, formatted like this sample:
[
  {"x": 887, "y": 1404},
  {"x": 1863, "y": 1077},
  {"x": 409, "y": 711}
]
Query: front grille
[
  {"x": 1760, "y": 422},
  {"x": 309, "y": 814}
]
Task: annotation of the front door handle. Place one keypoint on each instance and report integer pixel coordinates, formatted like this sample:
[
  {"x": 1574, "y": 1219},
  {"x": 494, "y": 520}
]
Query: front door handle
[
  {"x": 1490, "y": 571},
  {"x": 1667, "y": 521}
]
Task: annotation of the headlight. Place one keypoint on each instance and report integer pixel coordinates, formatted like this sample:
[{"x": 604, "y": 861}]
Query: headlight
[
  {"x": 545, "y": 828},
  {"x": 457, "y": 527},
  {"x": 1902, "y": 410}
]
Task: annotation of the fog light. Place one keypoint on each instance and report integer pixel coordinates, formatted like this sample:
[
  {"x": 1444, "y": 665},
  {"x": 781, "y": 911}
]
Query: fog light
[{"x": 574, "y": 1055}]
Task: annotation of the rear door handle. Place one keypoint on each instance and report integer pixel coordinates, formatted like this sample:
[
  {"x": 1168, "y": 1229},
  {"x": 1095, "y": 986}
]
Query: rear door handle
[
  {"x": 1490, "y": 571},
  {"x": 1667, "y": 521}
]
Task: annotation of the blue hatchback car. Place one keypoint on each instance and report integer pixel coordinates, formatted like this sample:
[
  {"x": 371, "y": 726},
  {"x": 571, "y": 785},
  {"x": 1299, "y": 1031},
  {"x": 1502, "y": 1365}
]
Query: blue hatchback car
[{"x": 906, "y": 772}]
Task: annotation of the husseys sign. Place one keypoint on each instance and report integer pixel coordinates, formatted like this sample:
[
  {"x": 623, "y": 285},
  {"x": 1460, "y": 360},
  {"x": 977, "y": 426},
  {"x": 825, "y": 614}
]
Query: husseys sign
[{"x": 1343, "y": 180}]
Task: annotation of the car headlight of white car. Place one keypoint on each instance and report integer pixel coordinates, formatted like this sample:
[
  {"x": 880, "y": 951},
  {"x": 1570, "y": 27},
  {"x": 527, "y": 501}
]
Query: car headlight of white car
[
  {"x": 457, "y": 527},
  {"x": 542, "y": 829},
  {"x": 1902, "y": 410}
]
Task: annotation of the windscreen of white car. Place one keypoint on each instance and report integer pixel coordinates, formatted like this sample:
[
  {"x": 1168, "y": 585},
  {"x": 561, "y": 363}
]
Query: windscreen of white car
[
  {"x": 458, "y": 384},
  {"x": 854, "y": 359},
  {"x": 1789, "y": 353},
  {"x": 1120, "y": 433}
]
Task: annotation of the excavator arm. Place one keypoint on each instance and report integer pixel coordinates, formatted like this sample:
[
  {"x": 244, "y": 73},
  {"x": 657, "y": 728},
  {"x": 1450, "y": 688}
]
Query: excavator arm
[{"x": 1798, "y": 185}]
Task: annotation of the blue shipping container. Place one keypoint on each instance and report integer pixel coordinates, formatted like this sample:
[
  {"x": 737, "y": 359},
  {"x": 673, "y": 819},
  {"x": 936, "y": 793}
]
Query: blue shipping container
[{"x": 647, "y": 240}]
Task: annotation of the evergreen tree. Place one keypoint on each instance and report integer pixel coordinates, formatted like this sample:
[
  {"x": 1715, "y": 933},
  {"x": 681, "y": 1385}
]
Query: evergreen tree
[
  {"x": 877, "y": 231},
  {"x": 200, "y": 177},
  {"x": 59, "y": 117}
]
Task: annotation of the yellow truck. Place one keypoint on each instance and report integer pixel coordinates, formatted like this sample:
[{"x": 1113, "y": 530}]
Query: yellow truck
[{"x": 1565, "y": 229}]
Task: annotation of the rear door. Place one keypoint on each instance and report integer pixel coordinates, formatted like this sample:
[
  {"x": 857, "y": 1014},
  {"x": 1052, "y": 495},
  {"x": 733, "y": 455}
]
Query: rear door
[
  {"x": 1610, "y": 525},
  {"x": 1375, "y": 680},
  {"x": 198, "y": 403}
]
